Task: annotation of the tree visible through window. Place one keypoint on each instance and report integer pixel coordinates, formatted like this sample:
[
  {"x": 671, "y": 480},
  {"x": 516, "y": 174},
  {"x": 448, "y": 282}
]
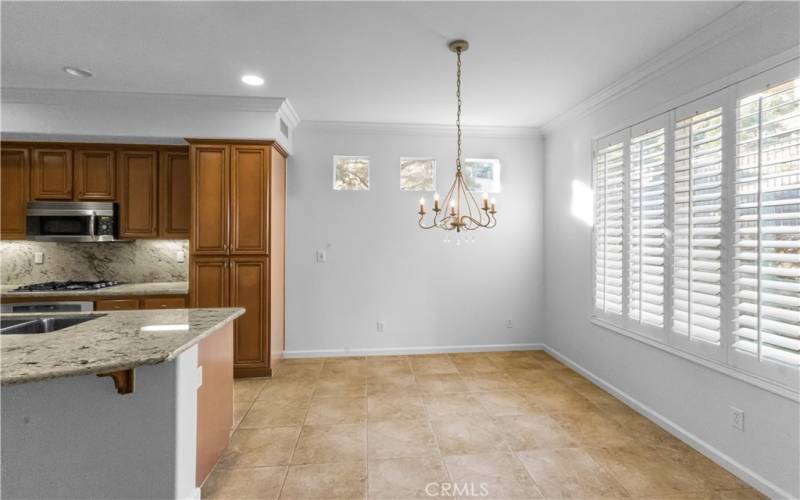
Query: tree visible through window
[
  {"x": 417, "y": 174},
  {"x": 351, "y": 173}
]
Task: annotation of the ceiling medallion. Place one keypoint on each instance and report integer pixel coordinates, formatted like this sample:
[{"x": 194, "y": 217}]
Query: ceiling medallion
[{"x": 463, "y": 213}]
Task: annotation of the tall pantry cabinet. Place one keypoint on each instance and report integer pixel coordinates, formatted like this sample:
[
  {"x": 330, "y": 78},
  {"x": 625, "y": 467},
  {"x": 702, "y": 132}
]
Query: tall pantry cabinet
[{"x": 237, "y": 243}]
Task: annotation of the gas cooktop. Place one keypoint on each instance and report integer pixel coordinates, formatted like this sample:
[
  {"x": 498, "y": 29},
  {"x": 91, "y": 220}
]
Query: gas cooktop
[{"x": 62, "y": 286}]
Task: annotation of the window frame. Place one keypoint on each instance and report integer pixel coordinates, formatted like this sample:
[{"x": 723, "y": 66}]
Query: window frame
[{"x": 779, "y": 378}]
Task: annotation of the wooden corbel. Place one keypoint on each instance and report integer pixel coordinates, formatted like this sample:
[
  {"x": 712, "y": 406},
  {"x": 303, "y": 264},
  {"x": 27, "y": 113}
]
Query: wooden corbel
[{"x": 123, "y": 380}]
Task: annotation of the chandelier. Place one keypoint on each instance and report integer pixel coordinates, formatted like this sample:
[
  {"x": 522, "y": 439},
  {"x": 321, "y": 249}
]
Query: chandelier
[{"x": 463, "y": 213}]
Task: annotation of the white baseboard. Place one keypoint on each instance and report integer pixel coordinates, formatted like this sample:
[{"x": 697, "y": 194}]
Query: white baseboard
[
  {"x": 395, "y": 351},
  {"x": 752, "y": 478}
]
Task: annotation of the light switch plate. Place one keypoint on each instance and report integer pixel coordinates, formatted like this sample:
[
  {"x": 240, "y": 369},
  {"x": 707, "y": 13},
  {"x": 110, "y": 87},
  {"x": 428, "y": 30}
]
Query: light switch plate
[
  {"x": 321, "y": 256},
  {"x": 180, "y": 256},
  {"x": 38, "y": 257}
]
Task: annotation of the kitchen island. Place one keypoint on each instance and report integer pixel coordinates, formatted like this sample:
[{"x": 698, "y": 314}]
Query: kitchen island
[{"x": 129, "y": 404}]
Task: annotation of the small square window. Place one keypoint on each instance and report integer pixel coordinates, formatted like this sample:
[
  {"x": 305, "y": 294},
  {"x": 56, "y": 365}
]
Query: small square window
[
  {"x": 482, "y": 175},
  {"x": 417, "y": 174},
  {"x": 351, "y": 173}
]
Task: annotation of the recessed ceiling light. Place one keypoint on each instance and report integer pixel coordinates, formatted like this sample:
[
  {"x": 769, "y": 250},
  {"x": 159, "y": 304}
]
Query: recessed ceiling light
[
  {"x": 253, "y": 80},
  {"x": 72, "y": 70}
]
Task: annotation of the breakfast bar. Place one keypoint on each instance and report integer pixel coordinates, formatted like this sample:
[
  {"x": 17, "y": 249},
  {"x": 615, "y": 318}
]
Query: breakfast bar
[{"x": 127, "y": 404}]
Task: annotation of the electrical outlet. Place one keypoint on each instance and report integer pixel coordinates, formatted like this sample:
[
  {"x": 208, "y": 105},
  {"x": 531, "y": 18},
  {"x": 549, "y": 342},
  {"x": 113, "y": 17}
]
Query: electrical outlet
[
  {"x": 509, "y": 323},
  {"x": 737, "y": 418},
  {"x": 321, "y": 256},
  {"x": 180, "y": 256},
  {"x": 379, "y": 326},
  {"x": 38, "y": 257}
]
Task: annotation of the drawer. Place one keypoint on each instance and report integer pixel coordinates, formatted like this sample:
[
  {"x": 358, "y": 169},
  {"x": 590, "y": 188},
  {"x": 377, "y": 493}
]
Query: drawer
[
  {"x": 116, "y": 304},
  {"x": 164, "y": 303}
]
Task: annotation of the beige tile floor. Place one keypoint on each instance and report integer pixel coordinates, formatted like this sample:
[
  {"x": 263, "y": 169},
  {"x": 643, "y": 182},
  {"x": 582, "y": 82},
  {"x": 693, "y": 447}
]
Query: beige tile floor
[{"x": 495, "y": 425}]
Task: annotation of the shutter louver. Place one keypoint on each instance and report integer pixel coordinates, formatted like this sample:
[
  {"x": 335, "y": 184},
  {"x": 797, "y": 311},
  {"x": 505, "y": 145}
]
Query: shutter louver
[
  {"x": 697, "y": 230},
  {"x": 767, "y": 225},
  {"x": 646, "y": 228},
  {"x": 608, "y": 226}
]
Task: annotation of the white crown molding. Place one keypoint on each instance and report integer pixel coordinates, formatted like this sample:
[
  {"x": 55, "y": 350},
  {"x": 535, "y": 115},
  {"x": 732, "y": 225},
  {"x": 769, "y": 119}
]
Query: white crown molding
[
  {"x": 701, "y": 40},
  {"x": 20, "y": 95},
  {"x": 288, "y": 114},
  {"x": 418, "y": 129}
]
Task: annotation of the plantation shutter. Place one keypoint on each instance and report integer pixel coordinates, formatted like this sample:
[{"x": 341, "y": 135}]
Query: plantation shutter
[
  {"x": 697, "y": 229},
  {"x": 767, "y": 225},
  {"x": 646, "y": 216},
  {"x": 609, "y": 188}
]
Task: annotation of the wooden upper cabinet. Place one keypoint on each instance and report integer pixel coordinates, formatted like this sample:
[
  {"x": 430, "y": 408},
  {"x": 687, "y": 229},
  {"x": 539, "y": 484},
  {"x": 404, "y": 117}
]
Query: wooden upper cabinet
[
  {"x": 210, "y": 279},
  {"x": 210, "y": 199},
  {"x": 138, "y": 187},
  {"x": 51, "y": 174},
  {"x": 250, "y": 200},
  {"x": 174, "y": 195},
  {"x": 250, "y": 289},
  {"x": 95, "y": 175},
  {"x": 14, "y": 175}
]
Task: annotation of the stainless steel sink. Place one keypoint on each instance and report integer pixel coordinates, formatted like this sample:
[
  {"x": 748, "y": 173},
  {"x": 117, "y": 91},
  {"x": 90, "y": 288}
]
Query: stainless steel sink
[{"x": 31, "y": 325}]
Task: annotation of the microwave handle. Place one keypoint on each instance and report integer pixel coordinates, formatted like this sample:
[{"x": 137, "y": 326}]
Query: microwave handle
[{"x": 91, "y": 224}]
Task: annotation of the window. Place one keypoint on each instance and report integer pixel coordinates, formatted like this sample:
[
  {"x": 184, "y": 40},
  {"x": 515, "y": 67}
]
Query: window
[
  {"x": 609, "y": 214},
  {"x": 482, "y": 176},
  {"x": 646, "y": 226},
  {"x": 697, "y": 207},
  {"x": 767, "y": 225},
  {"x": 351, "y": 173},
  {"x": 697, "y": 228},
  {"x": 417, "y": 174}
]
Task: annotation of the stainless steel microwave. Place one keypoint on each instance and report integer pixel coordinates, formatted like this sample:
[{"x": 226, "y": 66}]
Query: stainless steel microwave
[{"x": 71, "y": 221}]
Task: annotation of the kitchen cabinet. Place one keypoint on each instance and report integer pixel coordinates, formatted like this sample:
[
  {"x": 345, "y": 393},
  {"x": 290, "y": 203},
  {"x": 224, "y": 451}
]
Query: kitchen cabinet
[
  {"x": 163, "y": 303},
  {"x": 238, "y": 191},
  {"x": 95, "y": 175},
  {"x": 210, "y": 199},
  {"x": 249, "y": 200},
  {"x": 51, "y": 174},
  {"x": 14, "y": 175},
  {"x": 209, "y": 282},
  {"x": 174, "y": 194},
  {"x": 138, "y": 201},
  {"x": 249, "y": 278},
  {"x": 116, "y": 304}
]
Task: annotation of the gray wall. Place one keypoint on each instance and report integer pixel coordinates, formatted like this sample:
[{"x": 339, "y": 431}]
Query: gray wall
[
  {"x": 382, "y": 266},
  {"x": 692, "y": 399}
]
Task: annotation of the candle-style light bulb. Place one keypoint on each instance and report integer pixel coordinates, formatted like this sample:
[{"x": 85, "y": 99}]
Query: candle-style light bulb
[
  {"x": 494, "y": 204},
  {"x": 436, "y": 201},
  {"x": 452, "y": 207},
  {"x": 486, "y": 201},
  {"x": 422, "y": 206}
]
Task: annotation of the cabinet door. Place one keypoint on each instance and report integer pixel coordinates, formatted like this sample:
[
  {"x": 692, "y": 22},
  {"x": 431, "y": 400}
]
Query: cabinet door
[
  {"x": 13, "y": 193},
  {"x": 95, "y": 175},
  {"x": 209, "y": 282},
  {"x": 210, "y": 210},
  {"x": 51, "y": 174},
  {"x": 174, "y": 195},
  {"x": 164, "y": 302},
  {"x": 249, "y": 200},
  {"x": 138, "y": 187},
  {"x": 249, "y": 289},
  {"x": 116, "y": 304}
]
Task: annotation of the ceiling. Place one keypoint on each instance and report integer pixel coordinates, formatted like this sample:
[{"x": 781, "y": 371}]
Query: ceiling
[{"x": 360, "y": 61}]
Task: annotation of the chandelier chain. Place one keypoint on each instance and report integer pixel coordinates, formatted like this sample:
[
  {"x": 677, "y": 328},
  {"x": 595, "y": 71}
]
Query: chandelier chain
[{"x": 458, "y": 113}]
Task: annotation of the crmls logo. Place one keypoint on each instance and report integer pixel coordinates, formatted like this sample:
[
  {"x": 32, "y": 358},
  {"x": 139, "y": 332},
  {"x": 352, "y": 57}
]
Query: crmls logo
[{"x": 457, "y": 490}]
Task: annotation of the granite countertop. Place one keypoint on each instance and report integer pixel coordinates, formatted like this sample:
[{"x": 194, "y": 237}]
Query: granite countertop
[
  {"x": 161, "y": 288},
  {"x": 113, "y": 341}
]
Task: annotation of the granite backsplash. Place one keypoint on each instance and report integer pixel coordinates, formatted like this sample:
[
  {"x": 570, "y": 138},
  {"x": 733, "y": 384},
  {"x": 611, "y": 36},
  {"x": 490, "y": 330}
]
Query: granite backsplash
[{"x": 140, "y": 261}]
